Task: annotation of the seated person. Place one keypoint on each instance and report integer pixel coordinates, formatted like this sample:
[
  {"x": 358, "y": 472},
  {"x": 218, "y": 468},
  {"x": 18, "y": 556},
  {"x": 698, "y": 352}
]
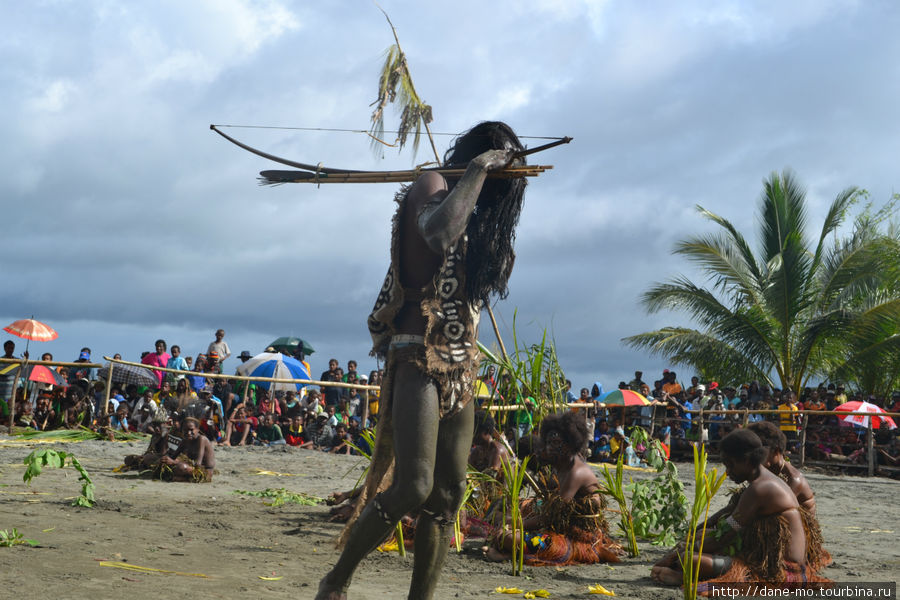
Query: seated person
[
  {"x": 268, "y": 433},
  {"x": 293, "y": 434},
  {"x": 487, "y": 454},
  {"x": 158, "y": 447},
  {"x": 339, "y": 443},
  {"x": 43, "y": 414},
  {"x": 195, "y": 460},
  {"x": 239, "y": 427},
  {"x": 776, "y": 443},
  {"x": 568, "y": 526},
  {"x": 119, "y": 421},
  {"x": 23, "y": 416},
  {"x": 763, "y": 539}
]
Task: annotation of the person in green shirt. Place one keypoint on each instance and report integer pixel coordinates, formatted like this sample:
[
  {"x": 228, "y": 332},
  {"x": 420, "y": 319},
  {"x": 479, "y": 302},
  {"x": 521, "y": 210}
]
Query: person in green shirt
[{"x": 269, "y": 433}]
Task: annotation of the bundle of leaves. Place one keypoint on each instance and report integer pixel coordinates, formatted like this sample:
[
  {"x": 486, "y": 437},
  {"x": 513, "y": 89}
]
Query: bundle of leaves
[
  {"x": 82, "y": 434},
  {"x": 282, "y": 496}
]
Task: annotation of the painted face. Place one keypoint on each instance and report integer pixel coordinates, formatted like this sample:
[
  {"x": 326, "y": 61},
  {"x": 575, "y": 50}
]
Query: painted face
[{"x": 555, "y": 446}]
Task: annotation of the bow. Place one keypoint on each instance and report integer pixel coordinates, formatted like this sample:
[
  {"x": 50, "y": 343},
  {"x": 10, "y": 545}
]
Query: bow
[{"x": 320, "y": 174}]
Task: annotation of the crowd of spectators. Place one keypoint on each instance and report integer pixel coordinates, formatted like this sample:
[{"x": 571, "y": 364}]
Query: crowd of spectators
[
  {"x": 672, "y": 417},
  {"x": 333, "y": 417},
  {"x": 230, "y": 412}
]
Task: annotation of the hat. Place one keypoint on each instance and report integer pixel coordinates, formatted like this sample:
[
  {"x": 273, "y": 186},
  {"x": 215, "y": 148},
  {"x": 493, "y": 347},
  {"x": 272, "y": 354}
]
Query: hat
[
  {"x": 665, "y": 370},
  {"x": 213, "y": 356},
  {"x": 206, "y": 389},
  {"x": 363, "y": 378},
  {"x": 85, "y": 355},
  {"x": 245, "y": 354},
  {"x": 714, "y": 386}
]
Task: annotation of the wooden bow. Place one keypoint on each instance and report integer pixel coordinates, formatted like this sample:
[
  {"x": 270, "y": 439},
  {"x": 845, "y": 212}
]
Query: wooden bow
[{"x": 320, "y": 174}]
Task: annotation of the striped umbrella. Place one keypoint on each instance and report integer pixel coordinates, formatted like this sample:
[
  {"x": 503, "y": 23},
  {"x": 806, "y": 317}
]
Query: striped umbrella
[
  {"x": 623, "y": 398},
  {"x": 278, "y": 366},
  {"x": 30, "y": 329}
]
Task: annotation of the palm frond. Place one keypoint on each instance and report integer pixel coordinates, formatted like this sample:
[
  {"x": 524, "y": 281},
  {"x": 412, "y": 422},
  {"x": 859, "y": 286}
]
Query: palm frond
[
  {"x": 835, "y": 216},
  {"x": 782, "y": 211},
  {"x": 745, "y": 327},
  {"x": 706, "y": 353}
]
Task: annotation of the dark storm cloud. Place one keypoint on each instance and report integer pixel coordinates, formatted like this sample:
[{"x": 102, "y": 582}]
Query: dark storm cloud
[{"x": 125, "y": 218}]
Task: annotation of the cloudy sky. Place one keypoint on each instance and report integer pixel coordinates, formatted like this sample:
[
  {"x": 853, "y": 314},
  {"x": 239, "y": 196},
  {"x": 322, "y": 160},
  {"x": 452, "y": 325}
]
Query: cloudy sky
[{"x": 126, "y": 220}]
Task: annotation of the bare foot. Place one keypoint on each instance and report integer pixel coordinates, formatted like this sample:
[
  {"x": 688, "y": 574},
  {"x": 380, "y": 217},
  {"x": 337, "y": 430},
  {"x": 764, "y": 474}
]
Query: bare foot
[
  {"x": 666, "y": 576},
  {"x": 328, "y": 592},
  {"x": 495, "y": 555}
]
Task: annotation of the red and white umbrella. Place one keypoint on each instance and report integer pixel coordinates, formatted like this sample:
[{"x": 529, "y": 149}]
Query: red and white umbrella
[
  {"x": 30, "y": 329},
  {"x": 876, "y": 413}
]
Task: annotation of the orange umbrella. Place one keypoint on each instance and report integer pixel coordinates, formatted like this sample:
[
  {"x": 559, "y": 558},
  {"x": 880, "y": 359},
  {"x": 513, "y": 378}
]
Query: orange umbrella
[{"x": 30, "y": 329}]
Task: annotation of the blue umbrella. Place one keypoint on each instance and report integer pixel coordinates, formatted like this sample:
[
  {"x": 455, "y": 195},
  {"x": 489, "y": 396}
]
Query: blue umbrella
[{"x": 278, "y": 366}]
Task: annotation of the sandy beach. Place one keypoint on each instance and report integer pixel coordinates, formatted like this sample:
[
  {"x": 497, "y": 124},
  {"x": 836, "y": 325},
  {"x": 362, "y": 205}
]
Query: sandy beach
[{"x": 234, "y": 539}]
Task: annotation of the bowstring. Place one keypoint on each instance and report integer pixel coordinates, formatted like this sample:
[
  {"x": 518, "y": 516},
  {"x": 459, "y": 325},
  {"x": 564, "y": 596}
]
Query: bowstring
[{"x": 366, "y": 131}]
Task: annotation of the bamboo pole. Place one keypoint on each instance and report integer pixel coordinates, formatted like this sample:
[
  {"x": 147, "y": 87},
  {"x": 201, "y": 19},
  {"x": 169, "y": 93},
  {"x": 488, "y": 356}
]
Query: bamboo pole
[
  {"x": 54, "y": 363},
  {"x": 244, "y": 377},
  {"x": 803, "y": 439}
]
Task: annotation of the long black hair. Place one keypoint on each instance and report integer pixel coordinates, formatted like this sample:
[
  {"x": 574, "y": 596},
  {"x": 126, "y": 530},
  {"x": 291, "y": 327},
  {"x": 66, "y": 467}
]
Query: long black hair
[{"x": 492, "y": 226}]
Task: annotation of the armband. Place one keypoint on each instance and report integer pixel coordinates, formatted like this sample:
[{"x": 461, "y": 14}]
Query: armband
[{"x": 732, "y": 522}]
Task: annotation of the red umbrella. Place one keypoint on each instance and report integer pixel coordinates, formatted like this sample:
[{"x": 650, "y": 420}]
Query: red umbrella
[
  {"x": 863, "y": 420},
  {"x": 30, "y": 329},
  {"x": 42, "y": 374}
]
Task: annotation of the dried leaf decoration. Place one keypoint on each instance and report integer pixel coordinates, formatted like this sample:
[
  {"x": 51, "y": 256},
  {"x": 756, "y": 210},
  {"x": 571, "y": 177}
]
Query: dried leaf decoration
[
  {"x": 395, "y": 84},
  {"x": 599, "y": 589}
]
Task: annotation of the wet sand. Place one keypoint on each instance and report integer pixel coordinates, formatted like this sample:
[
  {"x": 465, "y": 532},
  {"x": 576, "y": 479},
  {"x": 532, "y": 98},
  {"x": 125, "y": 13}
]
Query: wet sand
[{"x": 235, "y": 539}]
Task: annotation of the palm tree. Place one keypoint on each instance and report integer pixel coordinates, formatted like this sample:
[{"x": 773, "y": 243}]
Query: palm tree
[{"x": 789, "y": 312}]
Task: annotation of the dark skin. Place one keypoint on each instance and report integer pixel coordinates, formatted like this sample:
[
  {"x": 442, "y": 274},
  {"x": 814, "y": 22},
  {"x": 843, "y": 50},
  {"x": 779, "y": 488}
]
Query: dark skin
[
  {"x": 487, "y": 455},
  {"x": 765, "y": 495},
  {"x": 197, "y": 448},
  {"x": 434, "y": 217},
  {"x": 795, "y": 479},
  {"x": 576, "y": 478}
]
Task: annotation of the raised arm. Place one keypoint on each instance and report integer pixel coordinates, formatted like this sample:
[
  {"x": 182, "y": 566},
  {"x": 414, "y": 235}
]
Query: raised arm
[{"x": 443, "y": 216}]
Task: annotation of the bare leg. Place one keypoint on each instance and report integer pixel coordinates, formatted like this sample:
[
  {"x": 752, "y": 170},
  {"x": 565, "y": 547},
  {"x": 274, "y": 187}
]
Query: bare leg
[
  {"x": 228, "y": 428},
  {"x": 246, "y": 429},
  {"x": 415, "y": 422},
  {"x": 710, "y": 566},
  {"x": 435, "y": 525}
]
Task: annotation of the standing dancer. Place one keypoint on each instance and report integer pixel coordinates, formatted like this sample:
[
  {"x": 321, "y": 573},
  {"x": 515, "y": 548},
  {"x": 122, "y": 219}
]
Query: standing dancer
[{"x": 451, "y": 251}]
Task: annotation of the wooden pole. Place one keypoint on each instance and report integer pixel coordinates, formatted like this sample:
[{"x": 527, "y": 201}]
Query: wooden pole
[
  {"x": 870, "y": 447},
  {"x": 745, "y": 420},
  {"x": 11, "y": 401},
  {"x": 803, "y": 439},
  {"x": 109, "y": 375}
]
